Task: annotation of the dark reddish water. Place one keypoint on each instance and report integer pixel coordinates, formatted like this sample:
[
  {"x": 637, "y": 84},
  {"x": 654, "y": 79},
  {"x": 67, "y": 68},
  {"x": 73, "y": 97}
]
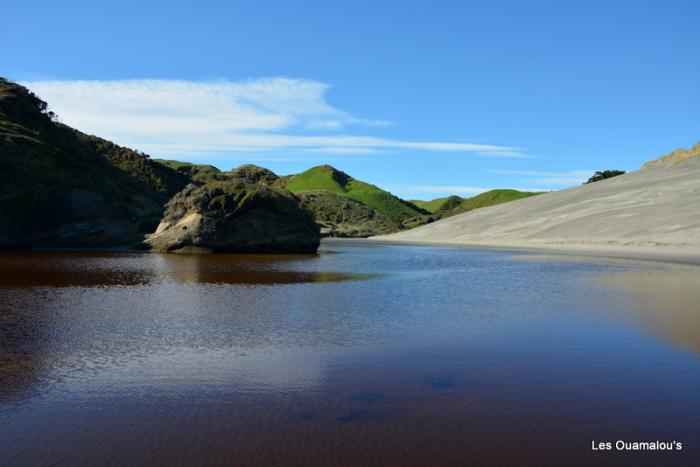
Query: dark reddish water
[{"x": 372, "y": 355}]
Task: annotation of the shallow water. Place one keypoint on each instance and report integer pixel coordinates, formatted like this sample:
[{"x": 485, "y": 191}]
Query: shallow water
[{"x": 383, "y": 355}]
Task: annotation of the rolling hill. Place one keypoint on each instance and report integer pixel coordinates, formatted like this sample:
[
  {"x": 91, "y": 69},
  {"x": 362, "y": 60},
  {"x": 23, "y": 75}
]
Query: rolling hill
[
  {"x": 440, "y": 208},
  {"x": 327, "y": 178},
  {"x": 457, "y": 204},
  {"x": 439, "y": 204}
]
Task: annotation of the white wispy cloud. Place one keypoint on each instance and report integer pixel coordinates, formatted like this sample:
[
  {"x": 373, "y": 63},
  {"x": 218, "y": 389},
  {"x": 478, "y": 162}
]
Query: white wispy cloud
[
  {"x": 339, "y": 124},
  {"x": 169, "y": 117},
  {"x": 346, "y": 150},
  {"x": 559, "y": 179},
  {"x": 536, "y": 181}
]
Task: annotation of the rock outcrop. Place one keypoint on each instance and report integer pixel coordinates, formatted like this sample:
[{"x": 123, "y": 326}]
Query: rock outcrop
[{"x": 236, "y": 215}]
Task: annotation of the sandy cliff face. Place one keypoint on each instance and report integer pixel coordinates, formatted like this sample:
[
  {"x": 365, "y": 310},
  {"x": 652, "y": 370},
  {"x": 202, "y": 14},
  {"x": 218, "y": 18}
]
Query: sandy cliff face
[{"x": 657, "y": 205}]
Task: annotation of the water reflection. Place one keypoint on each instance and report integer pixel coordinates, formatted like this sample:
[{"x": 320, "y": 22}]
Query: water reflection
[
  {"x": 68, "y": 270},
  {"x": 661, "y": 298},
  {"x": 254, "y": 360},
  {"x": 665, "y": 301},
  {"x": 246, "y": 269},
  {"x": 20, "y": 363},
  {"x": 65, "y": 315},
  {"x": 106, "y": 270}
]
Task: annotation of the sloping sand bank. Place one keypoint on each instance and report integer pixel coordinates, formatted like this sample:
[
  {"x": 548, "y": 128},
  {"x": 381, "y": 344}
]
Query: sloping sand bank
[{"x": 655, "y": 208}]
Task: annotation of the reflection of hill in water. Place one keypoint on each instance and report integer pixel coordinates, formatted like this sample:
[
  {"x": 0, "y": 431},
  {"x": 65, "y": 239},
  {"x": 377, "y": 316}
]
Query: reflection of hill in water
[
  {"x": 665, "y": 302},
  {"x": 98, "y": 270},
  {"x": 67, "y": 270},
  {"x": 246, "y": 269},
  {"x": 64, "y": 314}
]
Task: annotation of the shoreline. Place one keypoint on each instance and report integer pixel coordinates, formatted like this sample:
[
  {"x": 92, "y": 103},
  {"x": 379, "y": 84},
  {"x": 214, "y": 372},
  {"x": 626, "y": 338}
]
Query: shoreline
[
  {"x": 660, "y": 254},
  {"x": 689, "y": 256}
]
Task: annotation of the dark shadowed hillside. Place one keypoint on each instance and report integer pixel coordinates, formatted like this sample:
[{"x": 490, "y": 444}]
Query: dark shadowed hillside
[{"x": 60, "y": 187}]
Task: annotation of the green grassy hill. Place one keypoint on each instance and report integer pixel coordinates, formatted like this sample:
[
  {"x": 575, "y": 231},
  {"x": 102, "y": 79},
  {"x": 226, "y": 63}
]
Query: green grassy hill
[
  {"x": 488, "y": 198},
  {"x": 493, "y": 197},
  {"x": 327, "y": 178},
  {"x": 440, "y": 208},
  {"x": 438, "y": 204}
]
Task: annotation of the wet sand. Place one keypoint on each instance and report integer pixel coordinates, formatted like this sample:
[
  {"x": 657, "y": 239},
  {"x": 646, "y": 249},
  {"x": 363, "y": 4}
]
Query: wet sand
[{"x": 671, "y": 255}]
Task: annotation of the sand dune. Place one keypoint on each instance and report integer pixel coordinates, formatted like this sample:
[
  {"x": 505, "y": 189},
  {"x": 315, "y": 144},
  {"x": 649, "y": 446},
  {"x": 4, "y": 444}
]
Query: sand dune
[{"x": 654, "y": 207}]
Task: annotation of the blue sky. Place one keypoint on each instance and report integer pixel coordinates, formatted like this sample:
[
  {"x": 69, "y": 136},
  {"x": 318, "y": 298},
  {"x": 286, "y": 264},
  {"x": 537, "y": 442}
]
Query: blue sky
[{"x": 423, "y": 98}]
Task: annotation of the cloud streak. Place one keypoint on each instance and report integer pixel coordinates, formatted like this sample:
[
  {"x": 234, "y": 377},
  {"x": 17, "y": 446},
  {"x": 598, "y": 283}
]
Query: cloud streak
[
  {"x": 170, "y": 117},
  {"x": 537, "y": 181},
  {"x": 460, "y": 190},
  {"x": 568, "y": 178}
]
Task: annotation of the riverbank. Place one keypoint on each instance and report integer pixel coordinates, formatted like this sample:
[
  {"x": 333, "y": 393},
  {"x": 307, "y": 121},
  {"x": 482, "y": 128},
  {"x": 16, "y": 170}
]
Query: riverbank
[{"x": 664, "y": 254}]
